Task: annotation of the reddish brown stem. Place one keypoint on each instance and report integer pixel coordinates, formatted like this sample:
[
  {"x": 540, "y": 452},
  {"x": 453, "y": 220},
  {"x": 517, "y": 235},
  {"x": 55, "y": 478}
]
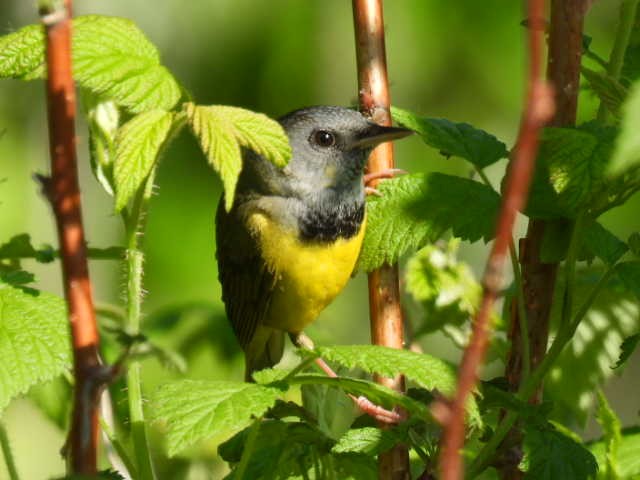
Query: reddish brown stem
[
  {"x": 563, "y": 72},
  {"x": 384, "y": 286},
  {"x": 538, "y": 109},
  {"x": 63, "y": 193}
]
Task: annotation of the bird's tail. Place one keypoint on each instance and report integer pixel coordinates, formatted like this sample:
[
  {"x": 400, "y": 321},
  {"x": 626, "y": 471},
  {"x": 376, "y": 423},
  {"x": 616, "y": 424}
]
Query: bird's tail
[{"x": 264, "y": 351}]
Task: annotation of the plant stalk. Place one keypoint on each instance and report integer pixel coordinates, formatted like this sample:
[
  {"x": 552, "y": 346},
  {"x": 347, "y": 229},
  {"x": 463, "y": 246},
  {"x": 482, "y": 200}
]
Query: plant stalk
[
  {"x": 384, "y": 286},
  {"x": 63, "y": 192},
  {"x": 8, "y": 455}
]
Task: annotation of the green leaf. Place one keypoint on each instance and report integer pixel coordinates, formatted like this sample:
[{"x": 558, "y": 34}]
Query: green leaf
[
  {"x": 19, "y": 246},
  {"x": 458, "y": 139},
  {"x": 334, "y": 410},
  {"x": 34, "y": 340},
  {"x": 426, "y": 371},
  {"x": 194, "y": 410},
  {"x": 609, "y": 90},
  {"x": 368, "y": 440},
  {"x": 612, "y": 437},
  {"x": 445, "y": 287},
  {"x": 111, "y": 57},
  {"x": 22, "y": 53},
  {"x": 418, "y": 209},
  {"x": 137, "y": 147},
  {"x": 626, "y": 154},
  {"x": 627, "y": 348},
  {"x": 628, "y": 457},
  {"x": 551, "y": 455},
  {"x": 603, "y": 244},
  {"x": 629, "y": 273},
  {"x": 634, "y": 243},
  {"x": 222, "y": 130}
]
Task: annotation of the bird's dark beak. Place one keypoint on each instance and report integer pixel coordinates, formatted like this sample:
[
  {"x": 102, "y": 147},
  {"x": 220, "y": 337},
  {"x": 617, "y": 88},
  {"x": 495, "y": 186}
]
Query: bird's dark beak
[{"x": 376, "y": 134}]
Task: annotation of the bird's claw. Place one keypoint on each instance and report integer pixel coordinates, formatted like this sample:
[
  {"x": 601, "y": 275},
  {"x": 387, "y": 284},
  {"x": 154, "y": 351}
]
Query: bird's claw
[
  {"x": 376, "y": 411},
  {"x": 372, "y": 191},
  {"x": 386, "y": 173}
]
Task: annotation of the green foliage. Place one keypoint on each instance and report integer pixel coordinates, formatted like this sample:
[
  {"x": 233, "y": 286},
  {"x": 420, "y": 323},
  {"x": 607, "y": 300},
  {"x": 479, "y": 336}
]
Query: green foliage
[
  {"x": 193, "y": 410},
  {"x": 221, "y": 132},
  {"x": 626, "y": 155},
  {"x": 445, "y": 287},
  {"x": 368, "y": 440},
  {"x": 609, "y": 90},
  {"x": 629, "y": 274},
  {"x": 137, "y": 146},
  {"x": 295, "y": 450},
  {"x": 111, "y": 57},
  {"x": 634, "y": 243},
  {"x": 34, "y": 340},
  {"x": 19, "y": 246},
  {"x": 454, "y": 139},
  {"x": 627, "y": 455},
  {"x": 612, "y": 437},
  {"x": 418, "y": 209},
  {"x": 603, "y": 244},
  {"x": 551, "y": 455}
]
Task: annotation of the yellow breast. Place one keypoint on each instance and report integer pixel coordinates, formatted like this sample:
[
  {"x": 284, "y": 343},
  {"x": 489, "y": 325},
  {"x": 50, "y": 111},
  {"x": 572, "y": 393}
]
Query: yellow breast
[{"x": 309, "y": 275}]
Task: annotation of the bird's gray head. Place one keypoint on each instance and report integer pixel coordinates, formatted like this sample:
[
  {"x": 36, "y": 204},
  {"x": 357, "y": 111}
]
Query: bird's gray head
[{"x": 330, "y": 148}]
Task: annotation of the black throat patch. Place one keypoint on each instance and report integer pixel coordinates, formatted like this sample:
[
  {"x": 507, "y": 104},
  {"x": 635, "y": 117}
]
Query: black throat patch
[{"x": 327, "y": 225}]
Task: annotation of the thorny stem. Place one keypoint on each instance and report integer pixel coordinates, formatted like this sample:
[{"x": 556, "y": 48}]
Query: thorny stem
[
  {"x": 384, "y": 285},
  {"x": 134, "y": 259},
  {"x": 8, "y": 455},
  {"x": 63, "y": 192},
  {"x": 628, "y": 10},
  {"x": 538, "y": 109}
]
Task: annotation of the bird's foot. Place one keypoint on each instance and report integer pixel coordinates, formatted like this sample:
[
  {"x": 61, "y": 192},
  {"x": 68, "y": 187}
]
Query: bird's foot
[
  {"x": 386, "y": 173},
  {"x": 365, "y": 405}
]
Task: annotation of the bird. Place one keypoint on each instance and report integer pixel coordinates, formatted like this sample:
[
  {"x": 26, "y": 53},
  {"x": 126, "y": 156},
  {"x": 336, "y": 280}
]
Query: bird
[{"x": 290, "y": 241}]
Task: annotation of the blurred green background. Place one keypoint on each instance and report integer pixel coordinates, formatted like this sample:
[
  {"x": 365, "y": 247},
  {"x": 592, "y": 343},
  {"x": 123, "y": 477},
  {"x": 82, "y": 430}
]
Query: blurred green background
[{"x": 459, "y": 60}]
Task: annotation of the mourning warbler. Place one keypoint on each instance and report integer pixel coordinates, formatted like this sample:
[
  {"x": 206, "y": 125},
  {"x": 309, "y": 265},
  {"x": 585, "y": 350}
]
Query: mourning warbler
[{"x": 292, "y": 238}]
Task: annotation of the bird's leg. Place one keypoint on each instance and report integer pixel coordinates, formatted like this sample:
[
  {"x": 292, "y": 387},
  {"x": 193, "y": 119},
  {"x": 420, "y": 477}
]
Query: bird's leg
[
  {"x": 386, "y": 173},
  {"x": 365, "y": 405}
]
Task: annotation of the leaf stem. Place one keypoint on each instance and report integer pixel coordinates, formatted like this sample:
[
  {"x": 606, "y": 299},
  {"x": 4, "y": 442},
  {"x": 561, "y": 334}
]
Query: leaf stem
[
  {"x": 628, "y": 10},
  {"x": 249, "y": 446},
  {"x": 134, "y": 259},
  {"x": 8, "y": 455},
  {"x": 522, "y": 311}
]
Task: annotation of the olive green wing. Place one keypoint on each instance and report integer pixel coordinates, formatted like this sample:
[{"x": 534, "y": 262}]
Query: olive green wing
[{"x": 247, "y": 289}]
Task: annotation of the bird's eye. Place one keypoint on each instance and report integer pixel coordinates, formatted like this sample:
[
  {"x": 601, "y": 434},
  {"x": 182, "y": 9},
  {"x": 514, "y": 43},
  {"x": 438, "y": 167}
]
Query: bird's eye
[{"x": 323, "y": 138}]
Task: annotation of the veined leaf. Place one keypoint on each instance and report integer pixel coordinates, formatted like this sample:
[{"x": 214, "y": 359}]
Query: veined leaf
[
  {"x": 368, "y": 440},
  {"x": 603, "y": 244},
  {"x": 417, "y": 209},
  {"x": 222, "y": 130},
  {"x": 627, "y": 348},
  {"x": 609, "y": 90},
  {"x": 138, "y": 144},
  {"x": 34, "y": 340},
  {"x": 627, "y": 149},
  {"x": 458, "y": 139},
  {"x": 193, "y": 410},
  {"x": 551, "y": 455},
  {"x": 111, "y": 57},
  {"x": 629, "y": 273}
]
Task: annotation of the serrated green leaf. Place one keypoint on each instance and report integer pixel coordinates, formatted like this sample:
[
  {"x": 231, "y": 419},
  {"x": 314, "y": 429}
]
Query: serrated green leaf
[
  {"x": 22, "y": 53},
  {"x": 259, "y": 133},
  {"x": 458, "y": 139},
  {"x": 34, "y": 340},
  {"x": 137, "y": 146},
  {"x": 627, "y": 348},
  {"x": 427, "y": 371},
  {"x": 418, "y": 209},
  {"x": 445, "y": 287},
  {"x": 611, "y": 428},
  {"x": 551, "y": 455},
  {"x": 626, "y": 154},
  {"x": 628, "y": 453},
  {"x": 221, "y": 130},
  {"x": 110, "y": 55},
  {"x": 368, "y": 440},
  {"x": 193, "y": 410},
  {"x": 609, "y": 90}
]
